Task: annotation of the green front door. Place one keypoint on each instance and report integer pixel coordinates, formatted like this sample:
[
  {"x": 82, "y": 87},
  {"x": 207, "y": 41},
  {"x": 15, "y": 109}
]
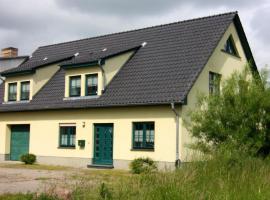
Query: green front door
[
  {"x": 103, "y": 144},
  {"x": 19, "y": 141}
]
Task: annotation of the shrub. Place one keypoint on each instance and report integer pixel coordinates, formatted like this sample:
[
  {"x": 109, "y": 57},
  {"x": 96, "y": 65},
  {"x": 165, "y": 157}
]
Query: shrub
[
  {"x": 28, "y": 159},
  {"x": 238, "y": 117},
  {"x": 143, "y": 165}
]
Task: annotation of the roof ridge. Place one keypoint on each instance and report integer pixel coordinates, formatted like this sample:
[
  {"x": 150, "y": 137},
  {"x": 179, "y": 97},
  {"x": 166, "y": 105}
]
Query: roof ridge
[{"x": 139, "y": 29}]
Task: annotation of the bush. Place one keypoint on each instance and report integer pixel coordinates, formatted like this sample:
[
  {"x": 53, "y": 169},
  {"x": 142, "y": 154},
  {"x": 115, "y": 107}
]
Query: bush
[
  {"x": 28, "y": 159},
  {"x": 237, "y": 117},
  {"x": 143, "y": 165}
]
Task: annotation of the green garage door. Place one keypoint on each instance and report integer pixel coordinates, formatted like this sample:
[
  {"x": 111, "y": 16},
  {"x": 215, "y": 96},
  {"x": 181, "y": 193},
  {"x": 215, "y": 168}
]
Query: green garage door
[{"x": 19, "y": 141}]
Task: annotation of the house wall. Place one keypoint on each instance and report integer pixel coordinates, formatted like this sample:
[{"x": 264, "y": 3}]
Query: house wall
[
  {"x": 219, "y": 62},
  {"x": 44, "y": 134},
  {"x": 42, "y": 76},
  {"x": 114, "y": 64}
]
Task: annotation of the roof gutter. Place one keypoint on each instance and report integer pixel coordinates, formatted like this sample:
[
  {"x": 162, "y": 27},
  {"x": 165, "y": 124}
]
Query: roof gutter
[
  {"x": 177, "y": 116},
  {"x": 87, "y": 64},
  {"x": 25, "y": 72}
]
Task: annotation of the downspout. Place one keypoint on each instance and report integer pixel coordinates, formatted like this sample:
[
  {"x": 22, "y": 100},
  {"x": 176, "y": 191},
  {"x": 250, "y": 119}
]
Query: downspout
[
  {"x": 177, "y": 116},
  {"x": 100, "y": 63}
]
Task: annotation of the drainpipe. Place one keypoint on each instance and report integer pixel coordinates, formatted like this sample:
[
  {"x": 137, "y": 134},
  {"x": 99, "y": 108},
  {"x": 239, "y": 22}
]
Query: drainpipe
[
  {"x": 103, "y": 74},
  {"x": 177, "y": 116}
]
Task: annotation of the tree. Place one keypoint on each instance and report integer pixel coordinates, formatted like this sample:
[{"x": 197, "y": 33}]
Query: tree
[{"x": 238, "y": 116}]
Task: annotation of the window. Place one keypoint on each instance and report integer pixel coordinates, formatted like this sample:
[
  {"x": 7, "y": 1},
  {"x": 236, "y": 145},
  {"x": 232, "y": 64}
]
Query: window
[
  {"x": 25, "y": 90},
  {"x": 75, "y": 86},
  {"x": 230, "y": 47},
  {"x": 67, "y": 136},
  {"x": 143, "y": 135},
  {"x": 91, "y": 85},
  {"x": 214, "y": 83},
  {"x": 12, "y": 91}
]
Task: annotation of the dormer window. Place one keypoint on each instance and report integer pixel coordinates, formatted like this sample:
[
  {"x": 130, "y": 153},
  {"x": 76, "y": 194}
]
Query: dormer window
[
  {"x": 230, "y": 47},
  {"x": 12, "y": 91},
  {"x": 91, "y": 86},
  {"x": 25, "y": 90},
  {"x": 75, "y": 86}
]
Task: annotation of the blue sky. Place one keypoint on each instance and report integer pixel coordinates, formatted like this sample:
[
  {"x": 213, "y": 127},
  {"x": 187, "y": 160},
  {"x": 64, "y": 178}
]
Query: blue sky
[{"x": 27, "y": 24}]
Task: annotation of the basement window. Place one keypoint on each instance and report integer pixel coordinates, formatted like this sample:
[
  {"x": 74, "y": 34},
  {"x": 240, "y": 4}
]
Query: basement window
[
  {"x": 12, "y": 91},
  {"x": 75, "y": 86},
  {"x": 25, "y": 90},
  {"x": 230, "y": 47},
  {"x": 67, "y": 136},
  {"x": 143, "y": 135},
  {"x": 91, "y": 84}
]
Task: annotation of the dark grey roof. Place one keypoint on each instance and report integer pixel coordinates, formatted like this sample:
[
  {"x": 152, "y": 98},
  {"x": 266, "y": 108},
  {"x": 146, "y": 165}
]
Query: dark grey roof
[
  {"x": 14, "y": 57},
  {"x": 89, "y": 57},
  {"x": 161, "y": 72},
  {"x": 36, "y": 62}
]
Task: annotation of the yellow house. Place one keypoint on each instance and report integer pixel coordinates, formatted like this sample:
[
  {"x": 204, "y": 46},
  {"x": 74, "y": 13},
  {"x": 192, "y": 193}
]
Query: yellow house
[{"x": 103, "y": 101}]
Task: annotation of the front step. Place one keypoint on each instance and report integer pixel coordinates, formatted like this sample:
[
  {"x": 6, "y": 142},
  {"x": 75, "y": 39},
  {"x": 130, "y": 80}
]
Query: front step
[{"x": 100, "y": 166}]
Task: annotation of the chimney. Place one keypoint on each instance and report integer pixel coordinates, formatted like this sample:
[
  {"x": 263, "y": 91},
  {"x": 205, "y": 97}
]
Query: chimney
[{"x": 9, "y": 52}]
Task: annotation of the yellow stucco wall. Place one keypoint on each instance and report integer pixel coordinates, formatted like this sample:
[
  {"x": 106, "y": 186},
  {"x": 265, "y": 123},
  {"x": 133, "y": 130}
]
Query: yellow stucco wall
[
  {"x": 114, "y": 64},
  {"x": 42, "y": 76},
  {"x": 44, "y": 131},
  {"x": 220, "y": 62},
  {"x": 37, "y": 80}
]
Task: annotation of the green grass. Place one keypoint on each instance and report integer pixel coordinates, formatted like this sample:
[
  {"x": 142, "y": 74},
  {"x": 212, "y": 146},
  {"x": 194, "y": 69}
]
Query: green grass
[
  {"x": 218, "y": 179},
  {"x": 230, "y": 179},
  {"x": 34, "y": 166}
]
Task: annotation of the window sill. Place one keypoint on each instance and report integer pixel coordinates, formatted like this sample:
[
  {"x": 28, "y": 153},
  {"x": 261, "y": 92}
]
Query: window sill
[
  {"x": 16, "y": 102},
  {"x": 66, "y": 147},
  {"x": 142, "y": 149},
  {"x": 236, "y": 56},
  {"x": 81, "y": 97}
]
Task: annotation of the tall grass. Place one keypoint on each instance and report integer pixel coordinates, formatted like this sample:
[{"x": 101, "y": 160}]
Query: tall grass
[
  {"x": 221, "y": 177},
  {"x": 218, "y": 178}
]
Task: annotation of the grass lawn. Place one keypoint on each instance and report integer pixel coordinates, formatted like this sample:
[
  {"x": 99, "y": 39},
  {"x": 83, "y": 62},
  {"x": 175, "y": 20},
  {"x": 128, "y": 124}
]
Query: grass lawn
[
  {"x": 34, "y": 166},
  {"x": 216, "y": 179}
]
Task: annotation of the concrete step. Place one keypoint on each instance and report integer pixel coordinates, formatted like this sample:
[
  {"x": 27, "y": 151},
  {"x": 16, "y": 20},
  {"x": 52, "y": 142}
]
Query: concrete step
[{"x": 100, "y": 166}]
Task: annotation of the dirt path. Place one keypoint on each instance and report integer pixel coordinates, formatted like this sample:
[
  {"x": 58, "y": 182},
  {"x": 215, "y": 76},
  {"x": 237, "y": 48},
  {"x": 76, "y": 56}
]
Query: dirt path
[{"x": 29, "y": 180}]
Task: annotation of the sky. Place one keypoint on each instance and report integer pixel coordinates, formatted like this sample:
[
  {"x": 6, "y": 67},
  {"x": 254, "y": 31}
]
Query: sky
[{"x": 28, "y": 24}]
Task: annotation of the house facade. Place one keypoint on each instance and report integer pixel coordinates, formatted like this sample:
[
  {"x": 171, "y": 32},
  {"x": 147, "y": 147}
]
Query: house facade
[{"x": 106, "y": 100}]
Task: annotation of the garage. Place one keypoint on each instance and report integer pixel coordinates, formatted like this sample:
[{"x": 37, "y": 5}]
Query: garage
[{"x": 19, "y": 141}]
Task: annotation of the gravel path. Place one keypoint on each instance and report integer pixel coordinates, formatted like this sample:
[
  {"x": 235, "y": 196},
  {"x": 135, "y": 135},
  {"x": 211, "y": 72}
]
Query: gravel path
[{"x": 29, "y": 180}]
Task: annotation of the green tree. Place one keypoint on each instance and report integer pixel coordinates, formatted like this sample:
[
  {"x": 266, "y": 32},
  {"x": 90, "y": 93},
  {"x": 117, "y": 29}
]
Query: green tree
[{"x": 239, "y": 116}]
